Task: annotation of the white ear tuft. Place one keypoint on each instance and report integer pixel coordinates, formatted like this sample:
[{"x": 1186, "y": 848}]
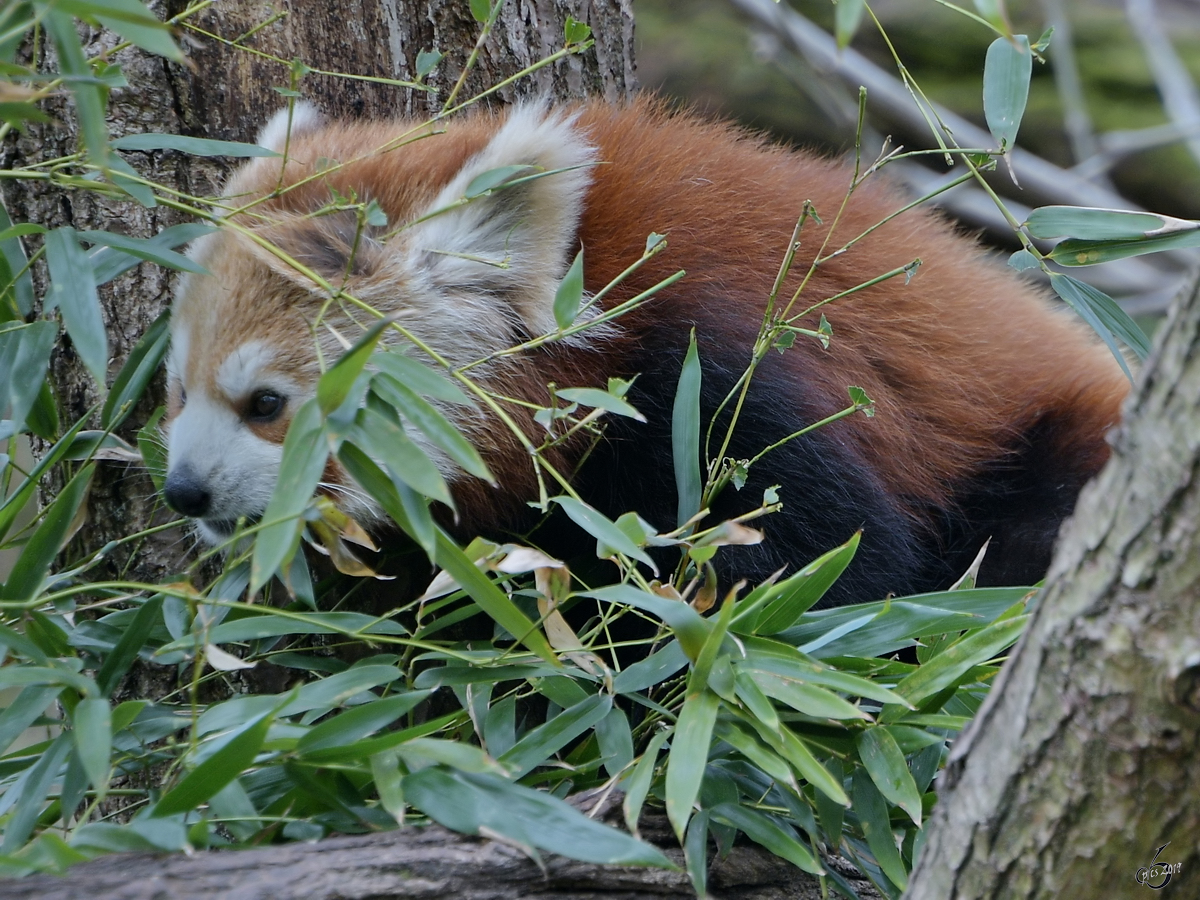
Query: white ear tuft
[
  {"x": 305, "y": 119},
  {"x": 510, "y": 245}
]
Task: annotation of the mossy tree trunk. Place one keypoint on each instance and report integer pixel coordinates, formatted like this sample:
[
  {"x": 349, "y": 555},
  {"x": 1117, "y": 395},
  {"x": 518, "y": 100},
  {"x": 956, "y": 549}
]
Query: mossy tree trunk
[{"x": 1083, "y": 761}]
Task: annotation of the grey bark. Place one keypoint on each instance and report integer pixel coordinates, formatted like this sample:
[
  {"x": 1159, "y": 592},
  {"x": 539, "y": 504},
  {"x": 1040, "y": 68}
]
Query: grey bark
[
  {"x": 412, "y": 864},
  {"x": 1083, "y": 761}
]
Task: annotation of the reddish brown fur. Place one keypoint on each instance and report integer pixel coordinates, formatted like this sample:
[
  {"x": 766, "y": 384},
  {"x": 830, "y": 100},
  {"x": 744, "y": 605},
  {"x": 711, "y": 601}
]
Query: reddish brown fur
[{"x": 961, "y": 362}]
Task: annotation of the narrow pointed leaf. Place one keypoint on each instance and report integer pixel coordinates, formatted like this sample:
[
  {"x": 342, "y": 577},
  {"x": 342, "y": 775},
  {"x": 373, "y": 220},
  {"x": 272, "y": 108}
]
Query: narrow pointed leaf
[
  {"x": 765, "y": 830},
  {"x": 885, "y": 763},
  {"x": 539, "y": 744},
  {"x": 954, "y": 662},
  {"x": 334, "y": 386},
  {"x": 569, "y": 296},
  {"x": 73, "y": 290},
  {"x": 1007, "y": 69},
  {"x": 35, "y": 560},
  {"x": 92, "y": 722},
  {"x": 872, "y": 813},
  {"x": 192, "y": 145},
  {"x": 217, "y": 770},
  {"x": 689, "y": 756},
  {"x": 685, "y": 435},
  {"x": 467, "y": 803}
]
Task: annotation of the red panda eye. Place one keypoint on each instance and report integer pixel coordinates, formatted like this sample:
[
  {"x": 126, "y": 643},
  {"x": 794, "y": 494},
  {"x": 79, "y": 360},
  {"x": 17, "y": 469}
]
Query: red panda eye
[
  {"x": 182, "y": 397},
  {"x": 265, "y": 405}
]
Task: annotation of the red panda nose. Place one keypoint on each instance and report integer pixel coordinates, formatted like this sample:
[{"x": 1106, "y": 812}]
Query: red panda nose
[{"x": 186, "y": 493}]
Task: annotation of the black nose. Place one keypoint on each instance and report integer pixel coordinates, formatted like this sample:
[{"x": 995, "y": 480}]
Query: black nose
[{"x": 186, "y": 493}]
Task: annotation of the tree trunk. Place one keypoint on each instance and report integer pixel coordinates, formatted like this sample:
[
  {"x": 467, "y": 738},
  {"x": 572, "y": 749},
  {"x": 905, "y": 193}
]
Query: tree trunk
[
  {"x": 416, "y": 864},
  {"x": 1082, "y": 763}
]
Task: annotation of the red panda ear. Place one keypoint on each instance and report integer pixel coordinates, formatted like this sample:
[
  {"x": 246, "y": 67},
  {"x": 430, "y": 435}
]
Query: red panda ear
[
  {"x": 508, "y": 244},
  {"x": 333, "y": 246}
]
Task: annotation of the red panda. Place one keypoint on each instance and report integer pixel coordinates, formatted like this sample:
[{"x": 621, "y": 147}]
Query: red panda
[{"x": 991, "y": 405}]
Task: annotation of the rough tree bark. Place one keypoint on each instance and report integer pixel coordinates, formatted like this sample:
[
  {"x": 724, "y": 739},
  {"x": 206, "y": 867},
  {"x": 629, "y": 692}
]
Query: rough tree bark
[
  {"x": 1082, "y": 763},
  {"x": 416, "y": 864}
]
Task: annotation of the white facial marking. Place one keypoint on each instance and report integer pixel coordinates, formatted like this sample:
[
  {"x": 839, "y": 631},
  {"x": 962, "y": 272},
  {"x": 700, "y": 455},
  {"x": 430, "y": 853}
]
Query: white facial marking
[
  {"x": 243, "y": 370},
  {"x": 177, "y": 359}
]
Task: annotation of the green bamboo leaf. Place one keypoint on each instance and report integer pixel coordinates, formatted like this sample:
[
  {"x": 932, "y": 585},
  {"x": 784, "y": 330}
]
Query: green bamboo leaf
[
  {"x": 92, "y": 722},
  {"x": 334, "y": 386},
  {"x": 768, "y": 832},
  {"x": 951, "y": 664},
  {"x": 777, "y": 658},
  {"x": 359, "y": 722},
  {"x": 304, "y": 454},
  {"x": 601, "y": 527},
  {"x": 872, "y": 813},
  {"x": 15, "y": 279},
  {"x": 133, "y": 639},
  {"x": 539, "y": 744},
  {"x": 771, "y": 763},
  {"x": 884, "y": 761},
  {"x": 888, "y": 627},
  {"x": 24, "y": 360},
  {"x": 756, "y": 702},
  {"x": 598, "y": 399},
  {"x": 140, "y": 366},
  {"x": 685, "y": 435},
  {"x": 146, "y": 249},
  {"x": 24, "y": 709},
  {"x": 695, "y": 852},
  {"x": 32, "y": 789},
  {"x": 615, "y": 740},
  {"x": 495, "y": 179},
  {"x": 785, "y": 742},
  {"x": 568, "y": 298},
  {"x": 420, "y": 752},
  {"x": 217, "y": 770},
  {"x": 652, "y": 670},
  {"x": 689, "y": 626},
  {"x": 131, "y": 20},
  {"x": 801, "y": 591},
  {"x": 637, "y": 787},
  {"x": 1007, "y": 69},
  {"x": 389, "y": 783},
  {"x": 191, "y": 145},
  {"x": 469, "y": 803},
  {"x": 109, "y": 262},
  {"x": 807, "y": 698},
  {"x": 1104, "y": 315},
  {"x": 418, "y": 377},
  {"x": 1074, "y": 252},
  {"x": 73, "y": 290},
  {"x": 432, "y": 423},
  {"x": 124, "y": 176},
  {"x": 449, "y": 556},
  {"x": 386, "y": 441},
  {"x": 88, "y": 95},
  {"x": 30, "y": 568},
  {"x": 846, "y": 16},
  {"x": 689, "y": 756},
  {"x": 1091, "y": 224},
  {"x": 831, "y": 813}
]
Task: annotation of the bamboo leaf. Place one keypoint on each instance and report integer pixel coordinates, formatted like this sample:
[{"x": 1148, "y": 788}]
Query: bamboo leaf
[
  {"x": 73, "y": 290},
  {"x": 469, "y": 803},
  {"x": 92, "y": 722},
  {"x": 217, "y": 770},
  {"x": 139, "y": 368},
  {"x": 954, "y": 662},
  {"x": 767, "y": 831},
  {"x": 872, "y": 813},
  {"x": 1007, "y": 69},
  {"x": 30, "y": 568},
  {"x": 569, "y": 296},
  {"x": 884, "y": 761},
  {"x": 540, "y": 743},
  {"x": 689, "y": 756},
  {"x": 192, "y": 145},
  {"x": 685, "y": 435}
]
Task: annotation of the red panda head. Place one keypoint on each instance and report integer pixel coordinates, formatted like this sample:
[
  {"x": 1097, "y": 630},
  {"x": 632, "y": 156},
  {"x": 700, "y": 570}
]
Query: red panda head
[{"x": 467, "y": 275}]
